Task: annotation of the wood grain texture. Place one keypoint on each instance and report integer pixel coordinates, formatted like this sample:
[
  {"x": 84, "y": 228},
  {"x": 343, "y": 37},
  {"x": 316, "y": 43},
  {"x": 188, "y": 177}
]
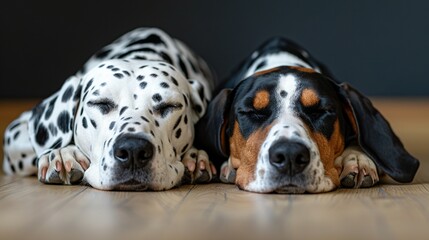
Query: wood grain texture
[{"x": 29, "y": 209}]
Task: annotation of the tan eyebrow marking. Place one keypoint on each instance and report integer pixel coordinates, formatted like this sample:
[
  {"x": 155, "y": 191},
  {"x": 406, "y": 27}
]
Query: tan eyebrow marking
[{"x": 261, "y": 100}]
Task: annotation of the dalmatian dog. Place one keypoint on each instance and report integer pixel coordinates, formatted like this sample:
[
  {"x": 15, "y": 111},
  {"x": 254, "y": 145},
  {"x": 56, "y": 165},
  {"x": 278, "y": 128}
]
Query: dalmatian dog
[
  {"x": 281, "y": 123},
  {"x": 125, "y": 121}
]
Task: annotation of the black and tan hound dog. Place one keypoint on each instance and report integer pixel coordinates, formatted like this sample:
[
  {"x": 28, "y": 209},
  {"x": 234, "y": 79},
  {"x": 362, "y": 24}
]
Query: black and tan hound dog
[{"x": 284, "y": 125}]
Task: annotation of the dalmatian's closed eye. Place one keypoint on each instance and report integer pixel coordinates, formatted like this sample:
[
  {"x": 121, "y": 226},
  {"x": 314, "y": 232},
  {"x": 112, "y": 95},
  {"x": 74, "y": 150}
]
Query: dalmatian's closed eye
[{"x": 125, "y": 121}]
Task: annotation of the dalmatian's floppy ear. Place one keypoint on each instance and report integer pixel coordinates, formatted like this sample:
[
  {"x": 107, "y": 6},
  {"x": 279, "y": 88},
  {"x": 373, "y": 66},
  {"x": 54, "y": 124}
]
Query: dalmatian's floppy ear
[
  {"x": 199, "y": 99},
  {"x": 51, "y": 123},
  {"x": 377, "y": 138},
  {"x": 211, "y": 130}
]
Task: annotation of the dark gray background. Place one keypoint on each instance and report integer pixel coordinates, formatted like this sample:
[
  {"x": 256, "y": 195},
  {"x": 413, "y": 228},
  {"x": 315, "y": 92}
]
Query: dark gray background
[{"x": 381, "y": 47}]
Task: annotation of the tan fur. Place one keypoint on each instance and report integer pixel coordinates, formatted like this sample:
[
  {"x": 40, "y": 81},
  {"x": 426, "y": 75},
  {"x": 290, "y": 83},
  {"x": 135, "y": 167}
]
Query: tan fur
[
  {"x": 330, "y": 150},
  {"x": 244, "y": 153},
  {"x": 261, "y": 100},
  {"x": 302, "y": 69},
  {"x": 309, "y": 97}
]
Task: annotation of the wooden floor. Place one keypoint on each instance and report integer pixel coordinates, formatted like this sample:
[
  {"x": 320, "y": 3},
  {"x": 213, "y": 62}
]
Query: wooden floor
[{"x": 30, "y": 210}]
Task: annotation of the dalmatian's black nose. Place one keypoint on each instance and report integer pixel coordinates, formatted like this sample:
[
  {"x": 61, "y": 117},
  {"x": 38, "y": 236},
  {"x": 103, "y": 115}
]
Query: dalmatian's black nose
[
  {"x": 133, "y": 149},
  {"x": 289, "y": 157}
]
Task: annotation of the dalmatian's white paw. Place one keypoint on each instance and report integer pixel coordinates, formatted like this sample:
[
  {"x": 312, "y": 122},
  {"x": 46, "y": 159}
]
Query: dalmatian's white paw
[
  {"x": 198, "y": 167},
  {"x": 357, "y": 169},
  {"x": 227, "y": 173},
  {"x": 62, "y": 166}
]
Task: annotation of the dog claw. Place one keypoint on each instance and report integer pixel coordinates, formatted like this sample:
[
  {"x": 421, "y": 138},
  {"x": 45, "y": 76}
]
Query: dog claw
[{"x": 349, "y": 180}]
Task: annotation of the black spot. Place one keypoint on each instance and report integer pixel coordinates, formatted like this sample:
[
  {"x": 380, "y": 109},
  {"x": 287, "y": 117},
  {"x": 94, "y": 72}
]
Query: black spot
[
  {"x": 122, "y": 110},
  {"x": 164, "y": 85},
  {"x": 50, "y": 108},
  {"x": 53, "y": 129},
  {"x": 13, "y": 126},
  {"x": 34, "y": 162},
  {"x": 152, "y": 133},
  {"x": 156, "y": 123},
  {"x": 192, "y": 66},
  {"x": 150, "y": 111},
  {"x": 88, "y": 85},
  {"x": 186, "y": 119},
  {"x": 283, "y": 93},
  {"x": 23, "y": 155},
  {"x": 123, "y": 127},
  {"x": 178, "y": 133},
  {"x": 67, "y": 94},
  {"x": 139, "y": 57},
  {"x": 159, "y": 149},
  {"x": 145, "y": 49},
  {"x": 175, "y": 151},
  {"x": 118, "y": 75},
  {"x": 16, "y": 135},
  {"x": 143, "y": 85},
  {"x": 104, "y": 167},
  {"x": 115, "y": 69},
  {"x": 102, "y": 65},
  {"x": 151, "y": 39},
  {"x": 144, "y": 119},
  {"x": 140, "y": 77},
  {"x": 42, "y": 135},
  {"x": 143, "y": 66},
  {"x": 285, "y": 126},
  {"x": 166, "y": 58},
  {"x": 102, "y": 54},
  {"x": 131, "y": 129},
  {"x": 77, "y": 93},
  {"x": 177, "y": 122},
  {"x": 164, "y": 73},
  {"x": 12, "y": 168},
  {"x": 57, "y": 144},
  {"x": 96, "y": 93},
  {"x": 186, "y": 99},
  {"x": 198, "y": 108},
  {"x": 110, "y": 66},
  {"x": 157, "y": 98},
  {"x": 20, "y": 165},
  {"x": 184, "y": 148},
  {"x": 112, "y": 125},
  {"x": 126, "y": 73},
  {"x": 93, "y": 123},
  {"x": 154, "y": 75},
  {"x": 183, "y": 67},
  {"x": 63, "y": 121},
  {"x": 174, "y": 81},
  {"x": 155, "y": 68},
  {"x": 84, "y": 123},
  {"x": 135, "y": 97},
  {"x": 177, "y": 171},
  {"x": 276, "y": 132},
  {"x": 137, "y": 123}
]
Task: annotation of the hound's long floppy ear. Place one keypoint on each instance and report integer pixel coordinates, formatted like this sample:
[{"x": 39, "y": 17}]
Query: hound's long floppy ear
[
  {"x": 377, "y": 138},
  {"x": 211, "y": 129},
  {"x": 51, "y": 123}
]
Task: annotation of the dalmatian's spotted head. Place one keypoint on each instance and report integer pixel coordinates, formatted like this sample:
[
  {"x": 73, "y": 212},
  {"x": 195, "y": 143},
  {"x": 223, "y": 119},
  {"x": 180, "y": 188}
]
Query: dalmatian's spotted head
[{"x": 134, "y": 120}]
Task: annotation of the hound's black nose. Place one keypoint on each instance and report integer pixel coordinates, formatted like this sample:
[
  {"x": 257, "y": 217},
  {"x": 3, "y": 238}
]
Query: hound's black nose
[
  {"x": 289, "y": 157},
  {"x": 133, "y": 149}
]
